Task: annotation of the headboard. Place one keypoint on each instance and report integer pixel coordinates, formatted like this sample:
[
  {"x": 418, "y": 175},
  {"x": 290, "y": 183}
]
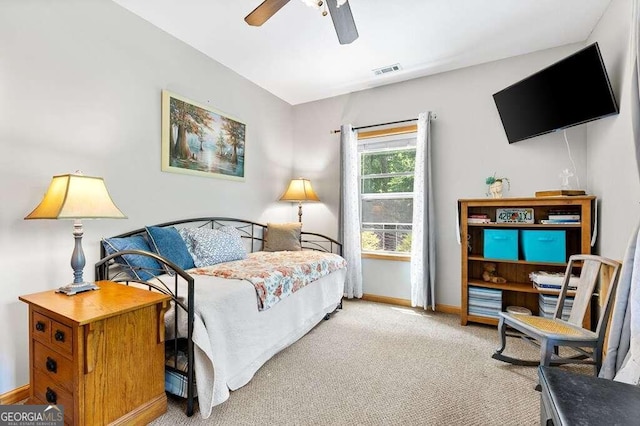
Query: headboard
[{"x": 251, "y": 232}]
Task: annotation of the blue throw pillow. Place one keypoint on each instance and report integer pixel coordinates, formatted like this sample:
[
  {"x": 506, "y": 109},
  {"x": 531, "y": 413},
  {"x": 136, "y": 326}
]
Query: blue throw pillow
[
  {"x": 212, "y": 246},
  {"x": 142, "y": 267},
  {"x": 168, "y": 243}
]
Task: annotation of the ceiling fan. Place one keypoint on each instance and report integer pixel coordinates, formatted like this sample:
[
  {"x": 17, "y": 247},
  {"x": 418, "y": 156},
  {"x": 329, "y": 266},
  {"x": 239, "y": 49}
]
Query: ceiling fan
[{"x": 339, "y": 9}]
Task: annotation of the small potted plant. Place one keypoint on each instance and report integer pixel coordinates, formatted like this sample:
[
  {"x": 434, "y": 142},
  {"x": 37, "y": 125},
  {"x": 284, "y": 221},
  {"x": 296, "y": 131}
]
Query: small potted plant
[{"x": 496, "y": 185}]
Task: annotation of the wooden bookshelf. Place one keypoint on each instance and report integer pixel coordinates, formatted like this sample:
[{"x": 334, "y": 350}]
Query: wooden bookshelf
[{"x": 518, "y": 290}]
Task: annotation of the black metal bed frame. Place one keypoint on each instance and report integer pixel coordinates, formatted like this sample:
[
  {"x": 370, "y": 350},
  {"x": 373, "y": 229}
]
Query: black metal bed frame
[{"x": 252, "y": 231}]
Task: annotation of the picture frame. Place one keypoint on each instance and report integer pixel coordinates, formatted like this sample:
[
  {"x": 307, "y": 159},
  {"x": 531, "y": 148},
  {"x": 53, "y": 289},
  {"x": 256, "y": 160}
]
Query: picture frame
[{"x": 201, "y": 141}]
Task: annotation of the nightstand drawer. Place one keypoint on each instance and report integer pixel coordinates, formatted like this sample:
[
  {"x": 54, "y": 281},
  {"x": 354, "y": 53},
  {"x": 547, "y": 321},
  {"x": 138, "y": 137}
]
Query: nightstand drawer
[
  {"x": 41, "y": 327},
  {"x": 58, "y": 368},
  {"x": 51, "y": 331},
  {"x": 46, "y": 390},
  {"x": 61, "y": 337}
]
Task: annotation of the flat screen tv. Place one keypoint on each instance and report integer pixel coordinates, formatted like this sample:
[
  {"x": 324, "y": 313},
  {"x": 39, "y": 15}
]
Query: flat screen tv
[{"x": 572, "y": 91}]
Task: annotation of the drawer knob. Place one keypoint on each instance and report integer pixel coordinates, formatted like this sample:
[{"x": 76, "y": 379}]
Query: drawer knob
[
  {"x": 52, "y": 365},
  {"x": 59, "y": 336},
  {"x": 40, "y": 326},
  {"x": 51, "y": 396}
]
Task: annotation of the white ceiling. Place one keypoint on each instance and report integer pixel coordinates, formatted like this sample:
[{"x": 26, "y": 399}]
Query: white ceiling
[{"x": 296, "y": 55}]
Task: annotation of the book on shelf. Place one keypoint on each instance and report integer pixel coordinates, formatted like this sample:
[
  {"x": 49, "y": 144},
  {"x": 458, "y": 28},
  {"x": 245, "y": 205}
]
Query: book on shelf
[
  {"x": 550, "y": 301},
  {"x": 552, "y": 280},
  {"x": 560, "y": 222},
  {"x": 547, "y": 306},
  {"x": 479, "y": 215},
  {"x": 548, "y": 312},
  {"x": 478, "y": 220},
  {"x": 550, "y": 287},
  {"x": 560, "y": 192},
  {"x": 563, "y": 210},
  {"x": 563, "y": 216}
]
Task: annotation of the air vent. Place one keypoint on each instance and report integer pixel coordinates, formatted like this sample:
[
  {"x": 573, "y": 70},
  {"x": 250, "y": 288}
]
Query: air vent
[{"x": 388, "y": 69}]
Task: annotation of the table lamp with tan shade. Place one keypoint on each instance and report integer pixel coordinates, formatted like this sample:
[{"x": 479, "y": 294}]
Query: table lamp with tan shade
[
  {"x": 299, "y": 191},
  {"x": 77, "y": 197}
]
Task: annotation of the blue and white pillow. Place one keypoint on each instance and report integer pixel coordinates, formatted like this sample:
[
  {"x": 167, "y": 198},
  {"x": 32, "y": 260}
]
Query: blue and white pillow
[
  {"x": 142, "y": 267},
  {"x": 168, "y": 243},
  {"x": 212, "y": 246}
]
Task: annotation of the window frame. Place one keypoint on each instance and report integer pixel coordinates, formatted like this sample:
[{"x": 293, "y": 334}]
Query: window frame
[{"x": 401, "y": 133}]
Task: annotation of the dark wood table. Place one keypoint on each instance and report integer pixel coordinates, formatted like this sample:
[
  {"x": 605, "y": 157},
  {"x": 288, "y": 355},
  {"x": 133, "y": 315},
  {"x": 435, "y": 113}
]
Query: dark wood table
[{"x": 574, "y": 399}]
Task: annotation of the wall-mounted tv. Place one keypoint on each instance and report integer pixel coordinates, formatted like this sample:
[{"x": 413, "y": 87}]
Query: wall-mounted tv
[{"x": 572, "y": 91}]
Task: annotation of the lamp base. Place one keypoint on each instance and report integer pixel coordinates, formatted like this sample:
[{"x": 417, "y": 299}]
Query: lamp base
[{"x": 75, "y": 288}]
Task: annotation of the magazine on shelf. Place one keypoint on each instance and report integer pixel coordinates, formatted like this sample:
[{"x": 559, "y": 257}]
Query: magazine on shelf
[
  {"x": 564, "y": 216},
  {"x": 551, "y": 287},
  {"x": 559, "y": 222},
  {"x": 484, "y": 312},
  {"x": 552, "y": 280}
]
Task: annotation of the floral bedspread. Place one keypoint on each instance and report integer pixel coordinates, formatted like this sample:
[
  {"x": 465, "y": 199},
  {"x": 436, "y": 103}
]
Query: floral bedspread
[{"x": 276, "y": 275}]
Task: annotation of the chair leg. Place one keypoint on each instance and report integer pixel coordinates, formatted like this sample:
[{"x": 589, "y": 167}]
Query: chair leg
[
  {"x": 502, "y": 331},
  {"x": 546, "y": 352},
  {"x": 597, "y": 360},
  {"x": 547, "y": 349}
]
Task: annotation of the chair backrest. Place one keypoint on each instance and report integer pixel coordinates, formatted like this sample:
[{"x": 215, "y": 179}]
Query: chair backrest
[{"x": 594, "y": 269}]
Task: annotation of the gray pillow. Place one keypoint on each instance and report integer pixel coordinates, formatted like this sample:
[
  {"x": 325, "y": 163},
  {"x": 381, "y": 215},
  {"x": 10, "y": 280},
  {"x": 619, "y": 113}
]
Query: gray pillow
[{"x": 283, "y": 237}]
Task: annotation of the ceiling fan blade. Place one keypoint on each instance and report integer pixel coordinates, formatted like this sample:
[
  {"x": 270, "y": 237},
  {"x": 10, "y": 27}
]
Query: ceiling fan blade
[
  {"x": 264, "y": 11},
  {"x": 343, "y": 21}
]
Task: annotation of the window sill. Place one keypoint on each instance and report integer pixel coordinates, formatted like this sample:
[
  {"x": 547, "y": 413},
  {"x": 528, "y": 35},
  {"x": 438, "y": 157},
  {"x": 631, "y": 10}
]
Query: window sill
[{"x": 387, "y": 256}]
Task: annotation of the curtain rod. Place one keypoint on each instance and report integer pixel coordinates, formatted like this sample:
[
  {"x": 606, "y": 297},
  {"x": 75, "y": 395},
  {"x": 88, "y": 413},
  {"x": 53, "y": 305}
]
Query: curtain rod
[{"x": 433, "y": 117}]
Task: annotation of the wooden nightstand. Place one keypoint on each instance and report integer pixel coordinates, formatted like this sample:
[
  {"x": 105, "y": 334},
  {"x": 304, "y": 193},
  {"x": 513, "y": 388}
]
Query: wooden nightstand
[{"x": 99, "y": 354}]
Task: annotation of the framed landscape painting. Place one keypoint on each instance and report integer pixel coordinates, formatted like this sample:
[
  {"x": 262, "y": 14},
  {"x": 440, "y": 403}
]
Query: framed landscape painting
[{"x": 199, "y": 140}]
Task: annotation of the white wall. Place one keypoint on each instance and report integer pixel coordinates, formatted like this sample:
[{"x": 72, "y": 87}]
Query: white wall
[
  {"x": 613, "y": 174},
  {"x": 80, "y": 88},
  {"x": 469, "y": 144}
]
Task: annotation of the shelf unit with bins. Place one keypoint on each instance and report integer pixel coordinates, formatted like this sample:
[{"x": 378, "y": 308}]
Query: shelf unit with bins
[{"x": 518, "y": 290}]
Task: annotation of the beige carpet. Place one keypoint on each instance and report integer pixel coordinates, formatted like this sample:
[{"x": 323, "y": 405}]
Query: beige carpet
[{"x": 376, "y": 364}]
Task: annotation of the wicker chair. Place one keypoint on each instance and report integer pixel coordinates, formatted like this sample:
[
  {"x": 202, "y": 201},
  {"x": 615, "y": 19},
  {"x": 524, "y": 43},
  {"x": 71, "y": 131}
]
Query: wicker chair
[{"x": 552, "y": 333}]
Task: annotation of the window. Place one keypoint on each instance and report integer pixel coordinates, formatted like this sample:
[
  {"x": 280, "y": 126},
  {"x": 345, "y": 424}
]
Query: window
[{"x": 386, "y": 193}]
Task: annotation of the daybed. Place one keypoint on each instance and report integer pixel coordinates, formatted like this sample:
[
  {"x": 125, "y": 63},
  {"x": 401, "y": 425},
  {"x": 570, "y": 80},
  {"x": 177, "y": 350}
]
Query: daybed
[{"x": 228, "y": 319}]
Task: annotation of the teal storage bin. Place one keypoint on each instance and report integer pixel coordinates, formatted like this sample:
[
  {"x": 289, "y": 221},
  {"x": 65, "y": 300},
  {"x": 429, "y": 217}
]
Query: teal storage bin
[
  {"x": 501, "y": 244},
  {"x": 544, "y": 246}
]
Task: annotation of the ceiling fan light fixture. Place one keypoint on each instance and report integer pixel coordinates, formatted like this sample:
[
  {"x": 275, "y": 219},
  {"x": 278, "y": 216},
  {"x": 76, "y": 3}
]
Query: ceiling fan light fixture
[{"x": 316, "y": 4}]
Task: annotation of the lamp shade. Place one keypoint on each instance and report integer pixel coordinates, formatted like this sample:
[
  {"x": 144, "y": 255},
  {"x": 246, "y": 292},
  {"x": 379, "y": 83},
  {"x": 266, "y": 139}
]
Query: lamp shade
[
  {"x": 299, "y": 190},
  {"x": 75, "y": 196}
]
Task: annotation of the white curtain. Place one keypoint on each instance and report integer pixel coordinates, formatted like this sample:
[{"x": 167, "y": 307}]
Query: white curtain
[
  {"x": 350, "y": 211},
  {"x": 423, "y": 253},
  {"x": 635, "y": 80},
  {"x": 622, "y": 362}
]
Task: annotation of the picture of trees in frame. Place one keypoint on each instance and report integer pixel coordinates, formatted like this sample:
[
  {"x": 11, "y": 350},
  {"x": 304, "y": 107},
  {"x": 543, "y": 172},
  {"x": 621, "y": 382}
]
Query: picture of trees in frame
[{"x": 199, "y": 140}]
